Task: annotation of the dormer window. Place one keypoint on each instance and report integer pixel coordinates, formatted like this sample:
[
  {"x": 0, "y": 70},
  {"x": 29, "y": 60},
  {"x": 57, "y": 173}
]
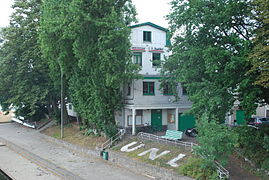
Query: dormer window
[{"x": 147, "y": 36}]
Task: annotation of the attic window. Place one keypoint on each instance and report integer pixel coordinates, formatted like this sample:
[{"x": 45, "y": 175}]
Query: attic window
[{"x": 147, "y": 36}]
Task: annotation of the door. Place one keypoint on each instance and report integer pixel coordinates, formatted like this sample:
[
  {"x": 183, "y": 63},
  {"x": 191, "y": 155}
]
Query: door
[
  {"x": 156, "y": 119},
  {"x": 185, "y": 121},
  {"x": 240, "y": 117}
]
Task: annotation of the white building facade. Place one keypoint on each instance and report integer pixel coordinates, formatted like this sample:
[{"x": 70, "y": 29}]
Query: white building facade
[{"x": 147, "y": 105}]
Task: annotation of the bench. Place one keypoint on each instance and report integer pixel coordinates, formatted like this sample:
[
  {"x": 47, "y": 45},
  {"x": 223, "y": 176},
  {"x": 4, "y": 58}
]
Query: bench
[{"x": 173, "y": 135}]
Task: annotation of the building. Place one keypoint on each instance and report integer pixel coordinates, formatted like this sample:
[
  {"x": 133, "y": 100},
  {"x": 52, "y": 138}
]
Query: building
[{"x": 145, "y": 103}]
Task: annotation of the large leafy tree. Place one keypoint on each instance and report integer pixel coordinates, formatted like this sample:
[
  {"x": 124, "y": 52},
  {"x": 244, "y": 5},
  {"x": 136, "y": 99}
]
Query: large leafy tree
[
  {"x": 210, "y": 50},
  {"x": 102, "y": 48},
  {"x": 260, "y": 54},
  {"x": 25, "y": 82},
  {"x": 56, "y": 45},
  {"x": 88, "y": 40}
]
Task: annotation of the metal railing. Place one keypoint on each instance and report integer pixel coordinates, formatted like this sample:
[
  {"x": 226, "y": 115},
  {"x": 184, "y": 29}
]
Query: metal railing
[
  {"x": 112, "y": 140},
  {"x": 152, "y": 137},
  {"x": 222, "y": 172}
]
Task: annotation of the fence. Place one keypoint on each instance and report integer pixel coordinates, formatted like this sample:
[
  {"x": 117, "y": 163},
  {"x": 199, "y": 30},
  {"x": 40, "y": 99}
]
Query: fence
[{"x": 222, "y": 172}]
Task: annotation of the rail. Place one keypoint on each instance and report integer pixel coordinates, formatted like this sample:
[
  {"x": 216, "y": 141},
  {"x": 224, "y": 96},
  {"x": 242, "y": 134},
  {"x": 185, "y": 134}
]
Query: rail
[
  {"x": 222, "y": 172},
  {"x": 152, "y": 137},
  {"x": 111, "y": 140}
]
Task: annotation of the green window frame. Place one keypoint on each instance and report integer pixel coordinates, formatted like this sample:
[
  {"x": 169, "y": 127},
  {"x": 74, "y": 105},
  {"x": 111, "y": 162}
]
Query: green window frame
[
  {"x": 147, "y": 36},
  {"x": 167, "y": 89},
  {"x": 148, "y": 88},
  {"x": 156, "y": 59},
  {"x": 137, "y": 58}
]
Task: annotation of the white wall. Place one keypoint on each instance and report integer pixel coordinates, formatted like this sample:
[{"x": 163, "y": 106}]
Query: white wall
[{"x": 158, "y": 40}]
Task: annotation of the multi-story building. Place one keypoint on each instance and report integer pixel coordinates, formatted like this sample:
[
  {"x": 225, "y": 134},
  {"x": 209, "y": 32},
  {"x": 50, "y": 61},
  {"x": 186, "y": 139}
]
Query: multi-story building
[{"x": 146, "y": 103}]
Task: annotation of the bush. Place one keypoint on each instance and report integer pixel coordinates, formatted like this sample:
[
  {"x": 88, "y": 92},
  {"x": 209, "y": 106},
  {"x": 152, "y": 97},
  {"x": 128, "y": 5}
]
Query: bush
[
  {"x": 216, "y": 141},
  {"x": 110, "y": 130},
  {"x": 254, "y": 145},
  {"x": 195, "y": 168}
]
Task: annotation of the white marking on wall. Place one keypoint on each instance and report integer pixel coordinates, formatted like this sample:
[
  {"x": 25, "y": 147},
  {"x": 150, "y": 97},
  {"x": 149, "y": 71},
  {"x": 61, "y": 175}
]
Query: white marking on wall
[
  {"x": 173, "y": 163},
  {"x": 153, "y": 153},
  {"x": 126, "y": 147}
]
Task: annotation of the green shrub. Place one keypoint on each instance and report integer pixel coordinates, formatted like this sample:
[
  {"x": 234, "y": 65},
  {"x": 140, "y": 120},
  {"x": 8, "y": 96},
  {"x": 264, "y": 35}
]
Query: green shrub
[
  {"x": 195, "y": 168},
  {"x": 216, "y": 141},
  {"x": 110, "y": 130},
  {"x": 265, "y": 164},
  {"x": 254, "y": 144},
  {"x": 88, "y": 132}
]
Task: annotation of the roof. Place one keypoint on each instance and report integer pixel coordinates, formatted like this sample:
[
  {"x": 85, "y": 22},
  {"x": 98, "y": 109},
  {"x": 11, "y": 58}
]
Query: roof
[{"x": 149, "y": 24}]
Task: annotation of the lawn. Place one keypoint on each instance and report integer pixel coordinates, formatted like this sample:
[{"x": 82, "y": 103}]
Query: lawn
[{"x": 72, "y": 134}]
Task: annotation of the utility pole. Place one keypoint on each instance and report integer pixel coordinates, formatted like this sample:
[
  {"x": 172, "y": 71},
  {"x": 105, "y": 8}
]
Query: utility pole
[{"x": 62, "y": 104}]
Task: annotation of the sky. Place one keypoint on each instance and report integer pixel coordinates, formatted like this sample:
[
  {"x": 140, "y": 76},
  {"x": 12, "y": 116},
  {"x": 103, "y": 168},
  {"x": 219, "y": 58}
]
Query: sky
[{"x": 148, "y": 11}]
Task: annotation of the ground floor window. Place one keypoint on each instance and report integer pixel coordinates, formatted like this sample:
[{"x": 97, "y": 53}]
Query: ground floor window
[
  {"x": 171, "y": 117},
  {"x": 138, "y": 120}
]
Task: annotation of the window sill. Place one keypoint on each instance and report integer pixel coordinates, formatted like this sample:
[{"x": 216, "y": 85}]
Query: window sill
[{"x": 148, "y": 94}]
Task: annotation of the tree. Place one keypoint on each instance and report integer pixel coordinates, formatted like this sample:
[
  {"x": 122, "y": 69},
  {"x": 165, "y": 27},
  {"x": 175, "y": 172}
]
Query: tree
[
  {"x": 210, "y": 50},
  {"x": 102, "y": 48},
  {"x": 88, "y": 40},
  {"x": 259, "y": 56},
  {"x": 56, "y": 46},
  {"x": 25, "y": 81}
]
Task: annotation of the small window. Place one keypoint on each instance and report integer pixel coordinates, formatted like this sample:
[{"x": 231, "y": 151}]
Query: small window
[
  {"x": 70, "y": 106},
  {"x": 148, "y": 88},
  {"x": 137, "y": 58},
  {"x": 129, "y": 89},
  {"x": 156, "y": 59},
  {"x": 167, "y": 89},
  {"x": 147, "y": 36},
  {"x": 184, "y": 90}
]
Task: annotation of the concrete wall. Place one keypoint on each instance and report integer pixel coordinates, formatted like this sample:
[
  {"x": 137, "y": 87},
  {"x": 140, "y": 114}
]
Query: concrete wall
[{"x": 138, "y": 98}]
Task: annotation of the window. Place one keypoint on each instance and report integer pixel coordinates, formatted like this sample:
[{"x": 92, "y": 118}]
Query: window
[
  {"x": 148, "y": 88},
  {"x": 138, "y": 118},
  {"x": 156, "y": 59},
  {"x": 167, "y": 89},
  {"x": 70, "y": 106},
  {"x": 137, "y": 58},
  {"x": 184, "y": 90},
  {"x": 147, "y": 36},
  {"x": 129, "y": 89}
]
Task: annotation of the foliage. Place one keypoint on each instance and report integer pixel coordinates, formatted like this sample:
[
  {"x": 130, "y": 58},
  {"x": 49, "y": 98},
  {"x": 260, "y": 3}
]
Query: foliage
[
  {"x": 260, "y": 54},
  {"x": 103, "y": 60},
  {"x": 210, "y": 50},
  {"x": 216, "y": 141},
  {"x": 254, "y": 144},
  {"x": 56, "y": 46},
  {"x": 88, "y": 40},
  {"x": 25, "y": 82},
  {"x": 195, "y": 168}
]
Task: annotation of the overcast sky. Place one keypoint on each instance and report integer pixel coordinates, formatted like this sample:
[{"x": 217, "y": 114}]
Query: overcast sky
[{"x": 148, "y": 11}]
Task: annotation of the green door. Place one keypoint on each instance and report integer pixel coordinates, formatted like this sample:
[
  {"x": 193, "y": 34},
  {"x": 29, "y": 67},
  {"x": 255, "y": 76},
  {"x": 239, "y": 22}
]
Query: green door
[
  {"x": 156, "y": 119},
  {"x": 185, "y": 121},
  {"x": 240, "y": 117}
]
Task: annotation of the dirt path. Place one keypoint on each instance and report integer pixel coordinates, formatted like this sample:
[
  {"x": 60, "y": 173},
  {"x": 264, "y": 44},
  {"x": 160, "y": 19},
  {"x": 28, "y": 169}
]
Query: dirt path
[{"x": 236, "y": 170}]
